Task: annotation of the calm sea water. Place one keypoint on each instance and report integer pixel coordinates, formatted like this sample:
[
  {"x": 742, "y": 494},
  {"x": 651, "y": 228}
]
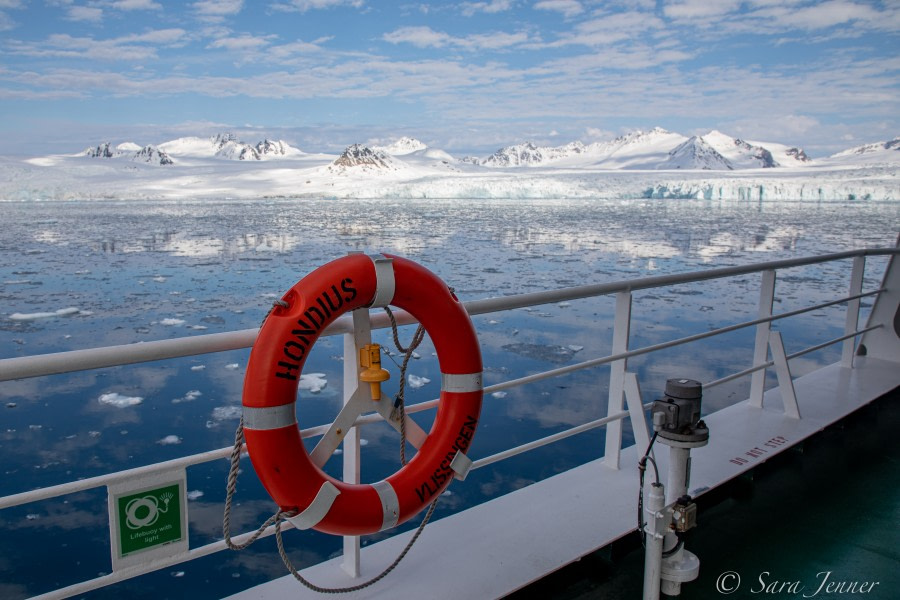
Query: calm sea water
[{"x": 88, "y": 274}]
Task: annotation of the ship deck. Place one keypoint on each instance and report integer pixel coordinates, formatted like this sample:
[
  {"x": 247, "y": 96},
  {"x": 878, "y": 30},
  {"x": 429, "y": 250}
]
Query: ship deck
[{"x": 526, "y": 535}]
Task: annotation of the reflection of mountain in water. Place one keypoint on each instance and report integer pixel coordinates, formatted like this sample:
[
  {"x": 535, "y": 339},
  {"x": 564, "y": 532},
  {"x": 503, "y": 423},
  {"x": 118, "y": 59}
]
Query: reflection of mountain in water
[
  {"x": 660, "y": 238},
  {"x": 185, "y": 244}
]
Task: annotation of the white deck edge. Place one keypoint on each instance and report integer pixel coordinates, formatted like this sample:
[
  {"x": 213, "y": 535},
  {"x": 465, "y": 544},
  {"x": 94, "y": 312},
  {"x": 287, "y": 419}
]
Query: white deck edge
[{"x": 500, "y": 546}]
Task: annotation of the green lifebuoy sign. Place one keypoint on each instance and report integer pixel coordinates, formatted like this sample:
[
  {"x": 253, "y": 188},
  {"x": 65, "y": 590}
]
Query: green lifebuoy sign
[{"x": 148, "y": 518}]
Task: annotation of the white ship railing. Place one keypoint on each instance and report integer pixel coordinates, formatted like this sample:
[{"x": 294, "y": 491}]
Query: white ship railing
[{"x": 624, "y": 392}]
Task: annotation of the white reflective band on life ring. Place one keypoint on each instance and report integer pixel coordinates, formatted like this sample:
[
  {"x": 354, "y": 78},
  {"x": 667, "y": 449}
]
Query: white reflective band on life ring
[
  {"x": 270, "y": 417},
  {"x": 385, "y": 284},
  {"x": 389, "y": 503},
  {"x": 316, "y": 511},
  {"x": 461, "y": 383}
]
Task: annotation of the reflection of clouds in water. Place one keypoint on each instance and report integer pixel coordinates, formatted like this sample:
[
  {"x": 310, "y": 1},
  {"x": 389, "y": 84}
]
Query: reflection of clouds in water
[
  {"x": 572, "y": 403},
  {"x": 57, "y": 514}
]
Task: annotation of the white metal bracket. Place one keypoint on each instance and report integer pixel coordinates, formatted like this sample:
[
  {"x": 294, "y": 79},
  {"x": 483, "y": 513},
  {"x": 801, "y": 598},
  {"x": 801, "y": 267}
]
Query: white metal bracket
[
  {"x": 785, "y": 382},
  {"x": 461, "y": 465}
]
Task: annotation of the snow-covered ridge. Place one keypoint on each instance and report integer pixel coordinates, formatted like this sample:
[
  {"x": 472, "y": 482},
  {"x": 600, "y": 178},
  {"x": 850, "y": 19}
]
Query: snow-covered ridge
[
  {"x": 641, "y": 164},
  {"x": 656, "y": 149}
]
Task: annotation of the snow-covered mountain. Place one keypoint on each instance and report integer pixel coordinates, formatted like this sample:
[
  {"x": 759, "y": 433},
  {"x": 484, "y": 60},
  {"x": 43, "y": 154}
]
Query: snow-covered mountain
[
  {"x": 228, "y": 146},
  {"x": 404, "y": 145},
  {"x": 363, "y": 158},
  {"x": 888, "y": 151},
  {"x": 696, "y": 153},
  {"x": 131, "y": 151},
  {"x": 656, "y": 149},
  {"x": 642, "y": 164}
]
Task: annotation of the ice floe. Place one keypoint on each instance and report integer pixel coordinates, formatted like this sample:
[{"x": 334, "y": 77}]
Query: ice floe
[
  {"x": 63, "y": 312},
  {"x": 416, "y": 382},
  {"x": 119, "y": 400},
  {"x": 171, "y": 322},
  {"x": 191, "y": 395},
  {"x": 312, "y": 382},
  {"x": 169, "y": 440},
  {"x": 221, "y": 413}
]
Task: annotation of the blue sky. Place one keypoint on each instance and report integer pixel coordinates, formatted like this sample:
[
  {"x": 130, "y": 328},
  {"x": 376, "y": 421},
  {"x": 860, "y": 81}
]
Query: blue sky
[{"x": 467, "y": 77}]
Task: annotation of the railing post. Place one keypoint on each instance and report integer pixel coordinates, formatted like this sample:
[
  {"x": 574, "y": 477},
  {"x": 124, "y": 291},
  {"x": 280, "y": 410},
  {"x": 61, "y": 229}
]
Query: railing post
[
  {"x": 856, "y": 281},
  {"x": 621, "y": 333},
  {"x": 361, "y": 335},
  {"x": 761, "y": 347}
]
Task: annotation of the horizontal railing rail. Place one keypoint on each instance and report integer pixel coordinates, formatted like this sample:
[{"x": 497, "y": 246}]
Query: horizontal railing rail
[{"x": 79, "y": 360}]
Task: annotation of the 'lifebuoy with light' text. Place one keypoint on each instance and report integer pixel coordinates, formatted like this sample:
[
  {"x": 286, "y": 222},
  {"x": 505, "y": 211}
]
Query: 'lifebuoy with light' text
[{"x": 278, "y": 455}]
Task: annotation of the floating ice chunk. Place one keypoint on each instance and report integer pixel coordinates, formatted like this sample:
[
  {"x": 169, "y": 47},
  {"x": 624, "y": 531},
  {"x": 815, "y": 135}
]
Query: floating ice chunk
[
  {"x": 199, "y": 327},
  {"x": 363, "y": 442},
  {"x": 159, "y": 279},
  {"x": 120, "y": 401},
  {"x": 32, "y": 516},
  {"x": 94, "y": 434},
  {"x": 500, "y": 394},
  {"x": 416, "y": 382},
  {"x": 179, "y": 573},
  {"x": 11, "y": 405},
  {"x": 63, "y": 312},
  {"x": 575, "y": 347},
  {"x": 169, "y": 440},
  {"x": 194, "y": 495},
  {"x": 564, "y": 304},
  {"x": 312, "y": 382},
  {"x": 172, "y": 322},
  {"x": 198, "y": 367},
  {"x": 232, "y": 366},
  {"x": 221, "y": 413},
  {"x": 191, "y": 395}
]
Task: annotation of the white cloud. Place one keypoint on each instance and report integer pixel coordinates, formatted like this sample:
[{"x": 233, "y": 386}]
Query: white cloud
[
  {"x": 822, "y": 15},
  {"x": 142, "y": 46},
  {"x": 217, "y": 9},
  {"x": 426, "y": 37},
  {"x": 242, "y": 42},
  {"x": 568, "y": 8},
  {"x": 494, "y": 6},
  {"x": 699, "y": 9},
  {"x": 307, "y": 5},
  {"x": 611, "y": 29},
  {"x": 135, "y": 5},
  {"x": 421, "y": 37},
  {"x": 84, "y": 13}
]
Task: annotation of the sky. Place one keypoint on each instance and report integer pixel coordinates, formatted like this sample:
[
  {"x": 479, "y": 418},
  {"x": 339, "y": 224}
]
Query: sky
[{"x": 466, "y": 77}]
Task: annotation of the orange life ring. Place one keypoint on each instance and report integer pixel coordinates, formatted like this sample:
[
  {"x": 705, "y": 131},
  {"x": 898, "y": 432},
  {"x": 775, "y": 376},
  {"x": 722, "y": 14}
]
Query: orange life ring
[{"x": 270, "y": 393}]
